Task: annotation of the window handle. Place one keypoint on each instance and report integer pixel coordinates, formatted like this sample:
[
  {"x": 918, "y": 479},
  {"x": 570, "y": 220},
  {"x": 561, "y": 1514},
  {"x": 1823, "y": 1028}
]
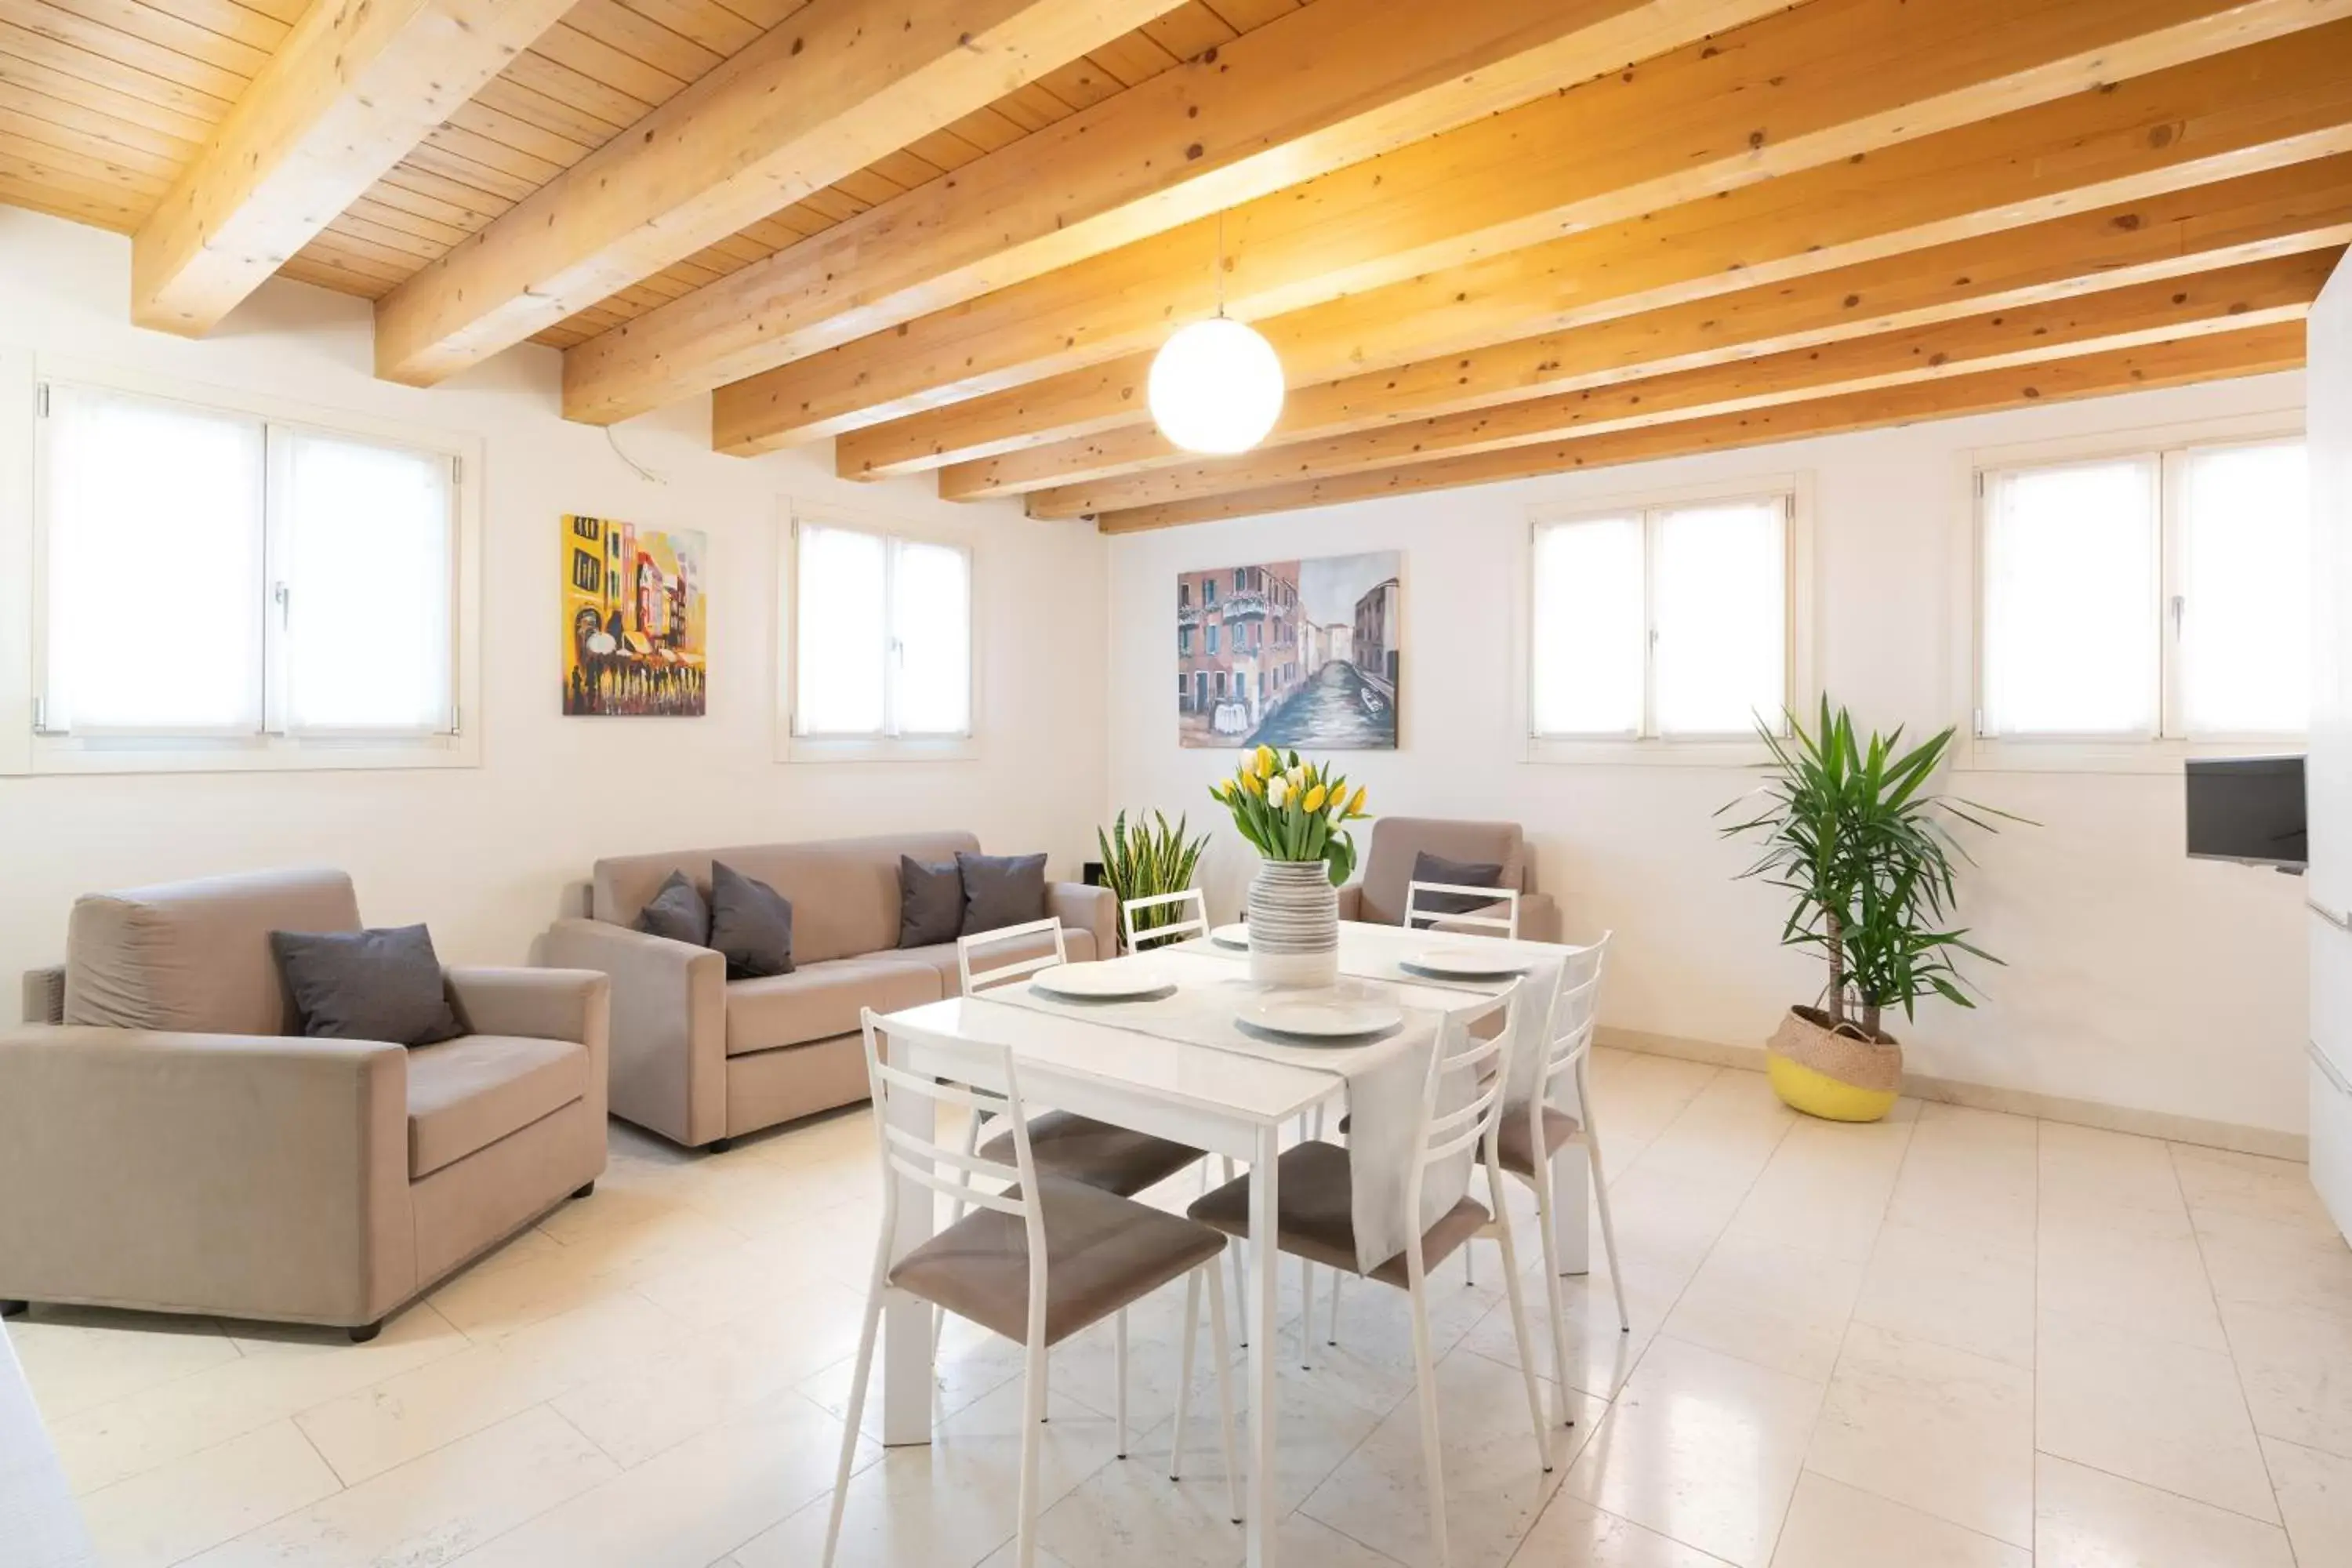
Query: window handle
[
  {"x": 2179, "y": 611},
  {"x": 285, "y": 597}
]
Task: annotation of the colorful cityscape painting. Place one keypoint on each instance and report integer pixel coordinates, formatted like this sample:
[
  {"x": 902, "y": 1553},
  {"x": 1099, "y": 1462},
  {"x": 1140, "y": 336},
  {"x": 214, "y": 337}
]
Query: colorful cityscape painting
[
  {"x": 634, "y": 641},
  {"x": 1290, "y": 653}
]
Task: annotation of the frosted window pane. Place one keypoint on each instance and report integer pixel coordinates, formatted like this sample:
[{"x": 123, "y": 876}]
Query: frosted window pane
[
  {"x": 369, "y": 586},
  {"x": 2070, "y": 629},
  {"x": 1722, "y": 618},
  {"x": 844, "y": 637},
  {"x": 1586, "y": 654},
  {"x": 934, "y": 624},
  {"x": 154, "y": 538},
  {"x": 2245, "y": 559}
]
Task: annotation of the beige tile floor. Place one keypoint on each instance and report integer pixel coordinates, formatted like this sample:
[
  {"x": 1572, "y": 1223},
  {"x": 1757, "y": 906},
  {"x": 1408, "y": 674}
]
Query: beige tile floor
[{"x": 1954, "y": 1340}]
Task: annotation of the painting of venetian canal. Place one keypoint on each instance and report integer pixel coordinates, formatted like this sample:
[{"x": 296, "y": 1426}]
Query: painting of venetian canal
[{"x": 1290, "y": 653}]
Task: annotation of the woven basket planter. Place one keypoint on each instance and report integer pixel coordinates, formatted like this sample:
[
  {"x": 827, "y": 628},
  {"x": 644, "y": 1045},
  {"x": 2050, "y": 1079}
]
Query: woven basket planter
[{"x": 1834, "y": 1076}]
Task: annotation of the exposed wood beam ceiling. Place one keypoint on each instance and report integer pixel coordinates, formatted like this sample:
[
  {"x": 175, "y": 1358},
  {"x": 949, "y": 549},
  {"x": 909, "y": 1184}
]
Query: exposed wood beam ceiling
[
  {"x": 1487, "y": 241},
  {"x": 353, "y": 87}
]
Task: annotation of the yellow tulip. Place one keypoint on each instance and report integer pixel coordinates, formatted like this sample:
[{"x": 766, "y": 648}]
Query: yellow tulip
[
  {"x": 1253, "y": 784},
  {"x": 1267, "y": 762},
  {"x": 1315, "y": 798},
  {"x": 1356, "y": 807}
]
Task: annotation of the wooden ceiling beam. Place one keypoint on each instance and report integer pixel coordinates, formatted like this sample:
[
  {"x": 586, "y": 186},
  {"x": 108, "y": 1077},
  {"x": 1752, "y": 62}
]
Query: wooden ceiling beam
[
  {"x": 2269, "y": 106},
  {"x": 2279, "y": 212},
  {"x": 1325, "y": 87},
  {"x": 352, "y": 89},
  {"x": 2258, "y": 293},
  {"x": 834, "y": 87},
  {"x": 2254, "y": 351},
  {"x": 1825, "y": 82}
]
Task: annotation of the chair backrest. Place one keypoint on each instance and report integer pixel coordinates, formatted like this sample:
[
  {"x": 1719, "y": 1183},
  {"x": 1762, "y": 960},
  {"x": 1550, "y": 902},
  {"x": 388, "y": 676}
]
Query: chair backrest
[
  {"x": 1029, "y": 936},
  {"x": 1187, "y": 915},
  {"x": 1434, "y": 903},
  {"x": 1575, "y": 1009},
  {"x": 918, "y": 1158},
  {"x": 1395, "y": 841},
  {"x": 1478, "y": 1123}
]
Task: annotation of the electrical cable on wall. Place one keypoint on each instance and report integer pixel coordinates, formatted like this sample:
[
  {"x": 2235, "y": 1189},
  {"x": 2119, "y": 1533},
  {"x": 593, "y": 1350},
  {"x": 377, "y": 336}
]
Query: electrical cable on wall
[{"x": 639, "y": 468}]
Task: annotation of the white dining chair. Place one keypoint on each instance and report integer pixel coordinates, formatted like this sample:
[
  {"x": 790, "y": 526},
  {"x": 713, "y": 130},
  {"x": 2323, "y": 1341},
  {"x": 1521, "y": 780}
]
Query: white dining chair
[
  {"x": 1190, "y": 909},
  {"x": 1026, "y": 939},
  {"x": 1430, "y": 905},
  {"x": 1535, "y": 1134},
  {"x": 1037, "y": 1262},
  {"x": 1315, "y": 1221}
]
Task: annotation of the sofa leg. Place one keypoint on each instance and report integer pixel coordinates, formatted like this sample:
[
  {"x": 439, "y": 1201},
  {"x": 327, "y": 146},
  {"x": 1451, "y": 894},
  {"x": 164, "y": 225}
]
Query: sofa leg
[
  {"x": 584, "y": 1192},
  {"x": 719, "y": 1145},
  {"x": 367, "y": 1331},
  {"x": 15, "y": 1309}
]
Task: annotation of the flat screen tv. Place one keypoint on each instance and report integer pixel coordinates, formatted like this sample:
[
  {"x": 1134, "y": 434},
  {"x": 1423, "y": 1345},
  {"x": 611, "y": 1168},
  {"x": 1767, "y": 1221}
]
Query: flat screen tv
[{"x": 2248, "y": 809}]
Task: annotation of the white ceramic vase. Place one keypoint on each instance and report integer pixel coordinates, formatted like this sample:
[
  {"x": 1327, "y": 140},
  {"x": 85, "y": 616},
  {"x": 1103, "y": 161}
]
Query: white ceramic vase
[{"x": 1294, "y": 924}]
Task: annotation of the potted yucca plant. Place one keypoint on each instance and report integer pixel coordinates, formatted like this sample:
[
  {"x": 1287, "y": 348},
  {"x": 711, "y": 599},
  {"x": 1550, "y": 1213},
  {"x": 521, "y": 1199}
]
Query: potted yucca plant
[
  {"x": 1850, "y": 829},
  {"x": 1150, "y": 857},
  {"x": 1294, "y": 813}
]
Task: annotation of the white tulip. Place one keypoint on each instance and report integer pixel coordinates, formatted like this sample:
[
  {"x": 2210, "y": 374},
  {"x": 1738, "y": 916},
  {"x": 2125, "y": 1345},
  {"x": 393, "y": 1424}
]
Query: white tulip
[{"x": 1277, "y": 790}]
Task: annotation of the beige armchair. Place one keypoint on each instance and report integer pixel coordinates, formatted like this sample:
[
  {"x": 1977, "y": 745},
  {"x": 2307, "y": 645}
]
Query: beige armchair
[
  {"x": 702, "y": 1060},
  {"x": 168, "y": 1144},
  {"x": 1379, "y": 895}
]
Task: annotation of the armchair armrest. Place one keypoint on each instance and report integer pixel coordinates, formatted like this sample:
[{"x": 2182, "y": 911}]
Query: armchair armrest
[
  {"x": 668, "y": 1033},
  {"x": 539, "y": 1004},
  {"x": 246, "y": 1175},
  {"x": 1082, "y": 908},
  {"x": 1538, "y": 916},
  {"x": 1351, "y": 900},
  {"x": 44, "y": 996}
]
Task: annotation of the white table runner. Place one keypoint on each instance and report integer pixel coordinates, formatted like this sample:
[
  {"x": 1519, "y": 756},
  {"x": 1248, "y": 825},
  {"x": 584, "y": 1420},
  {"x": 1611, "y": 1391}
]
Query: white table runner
[{"x": 1383, "y": 1077}]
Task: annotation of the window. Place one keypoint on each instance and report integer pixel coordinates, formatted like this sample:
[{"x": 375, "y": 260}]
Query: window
[
  {"x": 882, "y": 648},
  {"x": 218, "y": 584},
  {"x": 1661, "y": 623},
  {"x": 2157, "y": 595}
]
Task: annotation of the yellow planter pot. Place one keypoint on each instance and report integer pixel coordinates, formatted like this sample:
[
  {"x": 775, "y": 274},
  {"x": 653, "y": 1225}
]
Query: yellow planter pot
[{"x": 1823, "y": 1073}]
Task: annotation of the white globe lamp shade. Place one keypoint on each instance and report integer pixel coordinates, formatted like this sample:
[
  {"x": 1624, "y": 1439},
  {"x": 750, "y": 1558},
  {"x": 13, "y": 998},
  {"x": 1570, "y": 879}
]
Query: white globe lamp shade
[{"x": 1216, "y": 387}]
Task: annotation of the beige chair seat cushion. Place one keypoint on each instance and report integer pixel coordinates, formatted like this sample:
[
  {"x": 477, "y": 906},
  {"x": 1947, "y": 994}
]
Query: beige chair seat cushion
[
  {"x": 822, "y": 999},
  {"x": 1513, "y": 1147},
  {"x": 1317, "y": 1214},
  {"x": 1094, "y": 1153},
  {"x": 1102, "y": 1252},
  {"x": 465, "y": 1094}
]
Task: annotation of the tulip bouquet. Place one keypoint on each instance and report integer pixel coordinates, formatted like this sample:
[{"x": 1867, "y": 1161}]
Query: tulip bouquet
[{"x": 1293, "y": 811}]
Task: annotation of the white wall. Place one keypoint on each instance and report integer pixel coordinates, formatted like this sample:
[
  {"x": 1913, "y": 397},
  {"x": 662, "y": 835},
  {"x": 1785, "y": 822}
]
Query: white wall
[
  {"x": 2134, "y": 976},
  {"x": 481, "y": 853}
]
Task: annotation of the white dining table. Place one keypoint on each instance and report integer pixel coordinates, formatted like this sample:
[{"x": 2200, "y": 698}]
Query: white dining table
[{"x": 1217, "y": 1100}]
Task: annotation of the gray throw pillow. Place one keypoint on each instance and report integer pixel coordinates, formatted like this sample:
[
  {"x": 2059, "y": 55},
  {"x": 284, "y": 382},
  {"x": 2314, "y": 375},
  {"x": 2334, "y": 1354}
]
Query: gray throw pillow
[
  {"x": 1428, "y": 868},
  {"x": 676, "y": 913},
  {"x": 752, "y": 924},
  {"x": 1002, "y": 890},
  {"x": 367, "y": 984},
  {"x": 930, "y": 902}
]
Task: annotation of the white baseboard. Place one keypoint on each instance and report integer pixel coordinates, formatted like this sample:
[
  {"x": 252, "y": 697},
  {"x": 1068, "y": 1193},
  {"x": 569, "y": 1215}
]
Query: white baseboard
[{"x": 2230, "y": 1135}]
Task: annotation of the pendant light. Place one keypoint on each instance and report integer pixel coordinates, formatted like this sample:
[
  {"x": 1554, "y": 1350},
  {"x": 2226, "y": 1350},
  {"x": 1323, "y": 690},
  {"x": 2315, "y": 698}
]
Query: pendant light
[{"x": 1216, "y": 386}]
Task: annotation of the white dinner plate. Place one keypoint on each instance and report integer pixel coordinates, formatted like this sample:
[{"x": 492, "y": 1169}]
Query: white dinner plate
[
  {"x": 1469, "y": 962},
  {"x": 1323, "y": 1018},
  {"x": 1110, "y": 980},
  {"x": 1233, "y": 935}
]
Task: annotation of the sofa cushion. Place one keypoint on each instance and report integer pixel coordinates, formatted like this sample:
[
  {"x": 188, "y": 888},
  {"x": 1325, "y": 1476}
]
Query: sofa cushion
[
  {"x": 1001, "y": 891},
  {"x": 677, "y": 911},
  {"x": 1428, "y": 868},
  {"x": 751, "y": 924},
  {"x": 930, "y": 900},
  {"x": 844, "y": 891},
  {"x": 818, "y": 1001},
  {"x": 193, "y": 957},
  {"x": 465, "y": 1094},
  {"x": 367, "y": 984}
]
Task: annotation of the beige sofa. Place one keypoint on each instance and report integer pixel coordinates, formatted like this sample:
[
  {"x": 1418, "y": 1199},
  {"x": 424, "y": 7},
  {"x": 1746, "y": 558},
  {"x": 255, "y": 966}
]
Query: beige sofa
[
  {"x": 701, "y": 1061},
  {"x": 168, "y": 1142},
  {"x": 1379, "y": 896}
]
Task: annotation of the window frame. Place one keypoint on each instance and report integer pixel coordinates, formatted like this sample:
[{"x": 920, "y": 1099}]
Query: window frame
[
  {"x": 29, "y": 749},
  {"x": 793, "y": 747},
  {"x": 1795, "y": 491},
  {"x": 2167, "y": 750}
]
